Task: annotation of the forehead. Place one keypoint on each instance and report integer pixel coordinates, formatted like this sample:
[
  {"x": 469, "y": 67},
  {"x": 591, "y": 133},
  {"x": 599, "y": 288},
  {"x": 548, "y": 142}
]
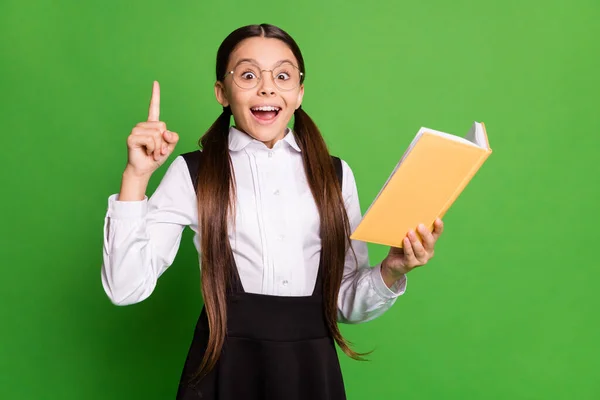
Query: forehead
[{"x": 266, "y": 51}]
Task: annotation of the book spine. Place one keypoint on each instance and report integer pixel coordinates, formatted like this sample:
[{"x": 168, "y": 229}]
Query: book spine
[{"x": 464, "y": 183}]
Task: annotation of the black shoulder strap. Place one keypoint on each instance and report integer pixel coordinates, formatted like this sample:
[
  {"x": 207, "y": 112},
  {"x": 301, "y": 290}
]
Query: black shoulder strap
[{"x": 192, "y": 160}]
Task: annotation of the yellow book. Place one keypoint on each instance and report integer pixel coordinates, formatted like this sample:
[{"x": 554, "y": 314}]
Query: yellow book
[{"x": 427, "y": 180}]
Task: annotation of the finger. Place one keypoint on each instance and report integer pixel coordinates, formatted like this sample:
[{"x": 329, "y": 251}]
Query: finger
[
  {"x": 160, "y": 125},
  {"x": 438, "y": 228},
  {"x": 409, "y": 254},
  {"x": 171, "y": 137},
  {"x": 154, "y": 111},
  {"x": 426, "y": 237},
  {"x": 169, "y": 141},
  {"x": 141, "y": 141},
  {"x": 154, "y": 136},
  {"x": 165, "y": 144},
  {"x": 417, "y": 247},
  {"x": 137, "y": 131},
  {"x": 158, "y": 146}
]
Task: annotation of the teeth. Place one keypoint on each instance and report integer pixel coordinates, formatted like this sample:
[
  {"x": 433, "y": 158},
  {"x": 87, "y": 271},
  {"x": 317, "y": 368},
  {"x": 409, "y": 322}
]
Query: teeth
[{"x": 265, "y": 108}]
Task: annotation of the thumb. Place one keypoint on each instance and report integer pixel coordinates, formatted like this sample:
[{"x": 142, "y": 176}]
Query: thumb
[{"x": 170, "y": 137}]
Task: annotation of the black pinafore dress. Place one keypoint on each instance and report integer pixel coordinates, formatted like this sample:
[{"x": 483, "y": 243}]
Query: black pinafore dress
[{"x": 276, "y": 348}]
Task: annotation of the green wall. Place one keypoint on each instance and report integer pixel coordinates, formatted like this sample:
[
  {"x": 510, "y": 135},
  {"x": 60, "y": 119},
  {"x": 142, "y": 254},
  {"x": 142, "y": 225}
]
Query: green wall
[{"x": 506, "y": 310}]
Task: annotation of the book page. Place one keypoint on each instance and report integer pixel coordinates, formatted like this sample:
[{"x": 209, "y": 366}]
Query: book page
[
  {"x": 477, "y": 135},
  {"x": 471, "y": 137}
]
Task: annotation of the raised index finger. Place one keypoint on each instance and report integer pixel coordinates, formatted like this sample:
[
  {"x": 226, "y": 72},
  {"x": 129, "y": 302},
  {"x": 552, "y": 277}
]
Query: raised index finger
[{"x": 154, "y": 111}]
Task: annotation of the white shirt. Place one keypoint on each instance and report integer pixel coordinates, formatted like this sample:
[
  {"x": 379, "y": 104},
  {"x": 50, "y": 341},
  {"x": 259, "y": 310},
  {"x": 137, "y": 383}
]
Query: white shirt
[{"x": 275, "y": 243}]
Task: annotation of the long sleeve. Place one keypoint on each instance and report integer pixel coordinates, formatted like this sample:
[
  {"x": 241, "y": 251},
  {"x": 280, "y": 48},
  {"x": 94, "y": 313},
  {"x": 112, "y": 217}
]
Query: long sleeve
[
  {"x": 141, "y": 238},
  {"x": 363, "y": 295}
]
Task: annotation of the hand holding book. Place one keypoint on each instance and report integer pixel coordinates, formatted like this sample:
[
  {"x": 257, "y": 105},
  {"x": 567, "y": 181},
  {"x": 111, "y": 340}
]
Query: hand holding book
[
  {"x": 406, "y": 214},
  {"x": 414, "y": 252}
]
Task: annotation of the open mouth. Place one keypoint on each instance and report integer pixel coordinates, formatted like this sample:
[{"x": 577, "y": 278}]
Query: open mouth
[{"x": 265, "y": 113}]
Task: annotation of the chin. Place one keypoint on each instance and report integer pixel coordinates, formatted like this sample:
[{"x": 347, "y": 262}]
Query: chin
[{"x": 267, "y": 134}]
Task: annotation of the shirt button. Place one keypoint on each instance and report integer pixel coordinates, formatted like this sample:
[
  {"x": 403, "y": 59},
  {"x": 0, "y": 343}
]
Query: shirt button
[
  {"x": 276, "y": 192},
  {"x": 281, "y": 237},
  {"x": 270, "y": 154},
  {"x": 285, "y": 282}
]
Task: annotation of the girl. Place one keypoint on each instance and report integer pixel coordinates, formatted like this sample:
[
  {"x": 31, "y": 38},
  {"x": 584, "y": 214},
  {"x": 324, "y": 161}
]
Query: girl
[{"x": 271, "y": 212}]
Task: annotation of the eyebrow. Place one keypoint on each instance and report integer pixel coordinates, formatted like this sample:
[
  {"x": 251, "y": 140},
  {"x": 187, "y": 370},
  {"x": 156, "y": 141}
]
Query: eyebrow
[{"x": 253, "y": 61}]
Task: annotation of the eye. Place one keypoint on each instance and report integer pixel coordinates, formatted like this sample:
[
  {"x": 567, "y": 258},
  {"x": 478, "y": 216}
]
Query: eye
[
  {"x": 247, "y": 75},
  {"x": 284, "y": 76}
]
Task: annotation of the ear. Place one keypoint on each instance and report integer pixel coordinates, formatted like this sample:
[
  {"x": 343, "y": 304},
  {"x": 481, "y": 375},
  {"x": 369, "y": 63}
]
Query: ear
[
  {"x": 300, "y": 96},
  {"x": 221, "y": 94}
]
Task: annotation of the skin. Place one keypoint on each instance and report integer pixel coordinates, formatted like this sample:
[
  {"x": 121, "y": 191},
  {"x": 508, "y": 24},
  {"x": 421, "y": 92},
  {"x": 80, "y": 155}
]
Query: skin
[
  {"x": 267, "y": 53},
  {"x": 415, "y": 253},
  {"x": 150, "y": 143},
  {"x": 148, "y": 146}
]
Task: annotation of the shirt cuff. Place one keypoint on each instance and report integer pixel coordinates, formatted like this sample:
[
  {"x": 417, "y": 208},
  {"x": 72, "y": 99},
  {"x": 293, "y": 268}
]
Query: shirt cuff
[
  {"x": 126, "y": 209},
  {"x": 397, "y": 289}
]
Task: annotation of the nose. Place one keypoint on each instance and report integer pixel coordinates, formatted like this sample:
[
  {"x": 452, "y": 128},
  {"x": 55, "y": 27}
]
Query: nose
[{"x": 266, "y": 86}]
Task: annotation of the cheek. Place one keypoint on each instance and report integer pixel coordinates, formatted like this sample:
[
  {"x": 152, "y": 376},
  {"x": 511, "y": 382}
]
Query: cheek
[
  {"x": 238, "y": 102},
  {"x": 291, "y": 100},
  {"x": 289, "y": 113}
]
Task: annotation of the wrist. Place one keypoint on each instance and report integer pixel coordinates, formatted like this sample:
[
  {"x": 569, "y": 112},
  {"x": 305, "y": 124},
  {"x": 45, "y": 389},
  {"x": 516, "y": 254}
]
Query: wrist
[
  {"x": 133, "y": 186},
  {"x": 389, "y": 275},
  {"x": 130, "y": 174}
]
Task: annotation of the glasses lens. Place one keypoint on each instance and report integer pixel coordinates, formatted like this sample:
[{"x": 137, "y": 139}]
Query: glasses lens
[
  {"x": 246, "y": 75},
  {"x": 286, "y": 76}
]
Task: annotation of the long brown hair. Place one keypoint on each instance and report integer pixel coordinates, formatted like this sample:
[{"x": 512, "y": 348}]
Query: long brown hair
[{"x": 216, "y": 188}]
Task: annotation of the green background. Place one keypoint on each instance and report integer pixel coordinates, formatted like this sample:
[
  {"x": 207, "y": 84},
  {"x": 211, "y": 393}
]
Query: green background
[{"x": 508, "y": 309}]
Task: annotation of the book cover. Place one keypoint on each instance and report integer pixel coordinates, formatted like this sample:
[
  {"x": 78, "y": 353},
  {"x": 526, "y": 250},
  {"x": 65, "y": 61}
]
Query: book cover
[{"x": 427, "y": 180}]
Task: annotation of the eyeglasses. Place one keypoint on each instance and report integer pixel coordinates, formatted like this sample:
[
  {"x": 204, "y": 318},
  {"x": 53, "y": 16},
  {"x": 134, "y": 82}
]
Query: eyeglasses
[{"x": 247, "y": 75}]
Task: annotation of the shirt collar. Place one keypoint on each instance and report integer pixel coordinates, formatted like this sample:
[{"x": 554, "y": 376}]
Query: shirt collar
[{"x": 239, "y": 140}]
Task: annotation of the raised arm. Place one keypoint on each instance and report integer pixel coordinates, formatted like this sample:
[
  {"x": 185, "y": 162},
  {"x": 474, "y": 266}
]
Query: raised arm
[{"x": 141, "y": 235}]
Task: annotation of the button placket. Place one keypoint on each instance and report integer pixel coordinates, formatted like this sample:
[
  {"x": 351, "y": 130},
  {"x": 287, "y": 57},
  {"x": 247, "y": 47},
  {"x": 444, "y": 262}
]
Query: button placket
[{"x": 277, "y": 183}]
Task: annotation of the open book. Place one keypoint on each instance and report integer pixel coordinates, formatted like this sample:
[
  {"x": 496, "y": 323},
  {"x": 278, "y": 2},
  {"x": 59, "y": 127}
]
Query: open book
[{"x": 427, "y": 180}]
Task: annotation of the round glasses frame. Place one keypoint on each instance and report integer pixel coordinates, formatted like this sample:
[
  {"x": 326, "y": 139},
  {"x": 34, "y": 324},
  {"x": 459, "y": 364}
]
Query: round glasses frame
[{"x": 261, "y": 76}]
